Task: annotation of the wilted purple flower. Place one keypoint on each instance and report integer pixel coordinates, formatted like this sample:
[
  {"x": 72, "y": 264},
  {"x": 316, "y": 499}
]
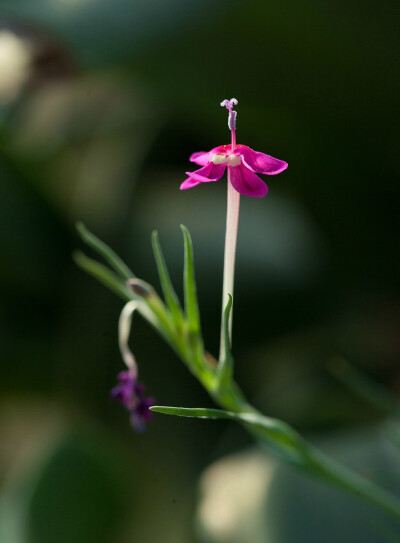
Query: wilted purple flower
[{"x": 130, "y": 393}]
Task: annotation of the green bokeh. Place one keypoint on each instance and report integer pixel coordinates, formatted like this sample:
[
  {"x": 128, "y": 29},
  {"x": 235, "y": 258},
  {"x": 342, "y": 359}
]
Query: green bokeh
[{"x": 117, "y": 96}]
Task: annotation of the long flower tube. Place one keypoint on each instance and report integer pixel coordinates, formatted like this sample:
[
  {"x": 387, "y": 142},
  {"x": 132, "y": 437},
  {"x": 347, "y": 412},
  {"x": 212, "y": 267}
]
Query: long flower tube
[{"x": 232, "y": 223}]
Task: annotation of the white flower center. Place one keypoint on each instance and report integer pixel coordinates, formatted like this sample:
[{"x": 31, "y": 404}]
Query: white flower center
[{"x": 231, "y": 160}]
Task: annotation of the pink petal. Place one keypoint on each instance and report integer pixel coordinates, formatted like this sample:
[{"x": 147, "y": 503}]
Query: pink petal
[
  {"x": 247, "y": 182},
  {"x": 189, "y": 183},
  {"x": 261, "y": 163},
  {"x": 201, "y": 158},
  {"x": 210, "y": 172}
]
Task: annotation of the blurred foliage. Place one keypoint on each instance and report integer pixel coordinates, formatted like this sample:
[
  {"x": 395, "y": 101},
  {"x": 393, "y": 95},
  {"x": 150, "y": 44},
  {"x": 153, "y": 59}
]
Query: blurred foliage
[
  {"x": 68, "y": 488},
  {"x": 101, "y": 104},
  {"x": 250, "y": 497}
]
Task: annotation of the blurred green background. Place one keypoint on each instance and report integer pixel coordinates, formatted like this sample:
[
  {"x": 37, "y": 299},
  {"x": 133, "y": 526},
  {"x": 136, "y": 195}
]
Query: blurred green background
[{"x": 101, "y": 104}]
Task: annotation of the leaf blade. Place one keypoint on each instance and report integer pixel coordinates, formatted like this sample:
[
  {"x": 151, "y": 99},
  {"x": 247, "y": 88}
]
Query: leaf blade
[
  {"x": 104, "y": 251},
  {"x": 170, "y": 295},
  {"x": 193, "y": 412},
  {"x": 103, "y": 274},
  {"x": 190, "y": 294},
  {"x": 279, "y": 436},
  {"x": 225, "y": 365}
]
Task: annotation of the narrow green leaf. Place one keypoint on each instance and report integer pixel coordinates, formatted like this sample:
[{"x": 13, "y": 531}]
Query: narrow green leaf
[
  {"x": 270, "y": 424},
  {"x": 278, "y": 435},
  {"x": 153, "y": 308},
  {"x": 189, "y": 283},
  {"x": 105, "y": 251},
  {"x": 104, "y": 275},
  {"x": 288, "y": 444},
  {"x": 225, "y": 365},
  {"x": 170, "y": 296},
  {"x": 200, "y": 412}
]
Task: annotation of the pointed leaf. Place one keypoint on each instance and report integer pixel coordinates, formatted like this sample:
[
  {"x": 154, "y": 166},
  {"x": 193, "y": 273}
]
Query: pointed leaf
[
  {"x": 200, "y": 412},
  {"x": 225, "y": 365},
  {"x": 105, "y": 251},
  {"x": 152, "y": 309},
  {"x": 279, "y": 436},
  {"x": 170, "y": 296},
  {"x": 104, "y": 275},
  {"x": 270, "y": 424},
  {"x": 191, "y": 306}
]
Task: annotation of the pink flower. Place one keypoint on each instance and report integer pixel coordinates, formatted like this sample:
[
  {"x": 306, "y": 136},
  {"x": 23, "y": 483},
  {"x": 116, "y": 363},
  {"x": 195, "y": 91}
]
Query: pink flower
[{"x": 243, "y": 163}]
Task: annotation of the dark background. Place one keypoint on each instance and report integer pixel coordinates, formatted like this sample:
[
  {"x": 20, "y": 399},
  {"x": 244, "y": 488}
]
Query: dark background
[{"x": 101, "y": 104}]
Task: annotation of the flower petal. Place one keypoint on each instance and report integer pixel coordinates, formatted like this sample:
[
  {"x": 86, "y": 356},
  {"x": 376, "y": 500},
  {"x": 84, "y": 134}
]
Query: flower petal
[
  {"x": 201, "y": 158},
  {"x": 247, "y": 182},
  {"x": 261, "y": 163},
  {"x": 189, "y": 183},
  {"x": 210, "y": 172}
]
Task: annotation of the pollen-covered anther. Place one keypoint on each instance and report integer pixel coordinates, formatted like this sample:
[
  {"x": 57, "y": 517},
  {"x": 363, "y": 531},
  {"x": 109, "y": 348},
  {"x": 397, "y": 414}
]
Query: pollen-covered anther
[
  {"x": 230, "y": 160},
  {"x": 234, "y": 160}
]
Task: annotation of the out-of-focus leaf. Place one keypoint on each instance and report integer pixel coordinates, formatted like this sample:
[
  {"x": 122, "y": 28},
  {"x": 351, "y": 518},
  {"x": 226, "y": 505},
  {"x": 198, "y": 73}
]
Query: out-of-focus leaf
[
  {"x": 75, "y": 497},
  {"x": 104, "y": 275},
  {"x": 72, "y": 493},
  {"x": 105, "y": 251},
  {"x": 261, "y": 494}
]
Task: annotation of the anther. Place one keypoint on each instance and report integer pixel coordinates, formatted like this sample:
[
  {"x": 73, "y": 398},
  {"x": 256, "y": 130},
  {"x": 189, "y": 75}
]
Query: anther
[{"x": 229, "y": 104}]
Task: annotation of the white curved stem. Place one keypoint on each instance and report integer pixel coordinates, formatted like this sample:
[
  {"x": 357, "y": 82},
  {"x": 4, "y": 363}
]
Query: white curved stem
[
  {"x": 124, "y": 330},
  {"x": 232, "y": 221}
]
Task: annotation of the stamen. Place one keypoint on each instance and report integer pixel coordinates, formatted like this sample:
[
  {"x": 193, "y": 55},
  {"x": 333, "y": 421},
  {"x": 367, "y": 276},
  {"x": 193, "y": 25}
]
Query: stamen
[
  {"x": 232, "y": 120},
  {"x": 229, "y": 104}
]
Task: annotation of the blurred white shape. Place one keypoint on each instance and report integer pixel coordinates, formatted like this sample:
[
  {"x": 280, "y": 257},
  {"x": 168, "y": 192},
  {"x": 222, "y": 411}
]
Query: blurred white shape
[
  {"x": 15, "y": 65},
  {"x": 232, "y": 492}
]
